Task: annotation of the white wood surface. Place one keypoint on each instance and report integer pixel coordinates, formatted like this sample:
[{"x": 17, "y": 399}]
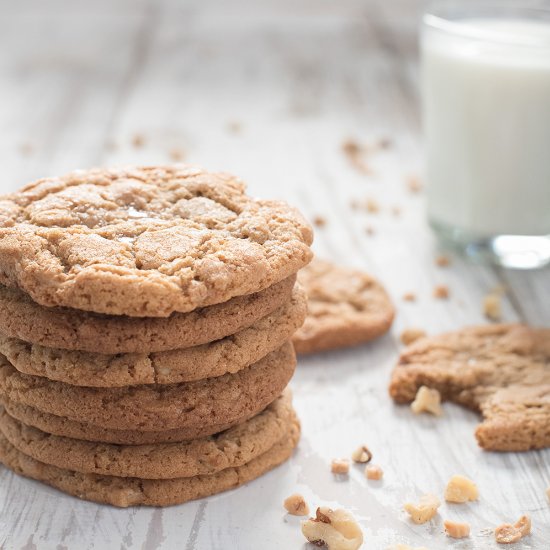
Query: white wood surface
[{"x": 79, "y": 79}]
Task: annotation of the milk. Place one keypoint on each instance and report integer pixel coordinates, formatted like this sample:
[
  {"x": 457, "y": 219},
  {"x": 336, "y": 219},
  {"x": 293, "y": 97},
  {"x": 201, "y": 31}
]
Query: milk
[{"x": 486, "y": 94}]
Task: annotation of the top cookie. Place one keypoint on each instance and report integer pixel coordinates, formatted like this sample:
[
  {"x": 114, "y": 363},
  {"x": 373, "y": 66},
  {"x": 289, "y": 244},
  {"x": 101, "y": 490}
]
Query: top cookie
[{"x": 146, "y": 242}]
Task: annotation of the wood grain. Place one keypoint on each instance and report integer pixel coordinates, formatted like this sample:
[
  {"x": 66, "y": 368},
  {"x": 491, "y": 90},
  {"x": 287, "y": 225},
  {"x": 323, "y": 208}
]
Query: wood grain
[{"x": 270, "y": 90}]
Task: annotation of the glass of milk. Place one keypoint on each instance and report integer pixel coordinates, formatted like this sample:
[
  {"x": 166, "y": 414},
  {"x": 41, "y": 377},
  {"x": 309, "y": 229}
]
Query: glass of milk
[{"x": 486, "y": 113}]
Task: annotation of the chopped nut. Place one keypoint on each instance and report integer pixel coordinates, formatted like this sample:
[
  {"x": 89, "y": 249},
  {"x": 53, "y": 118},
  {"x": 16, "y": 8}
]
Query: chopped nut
[
  {"x": 335, "y": 529},
  {"x": 409, "y": 297},
  {"x": 356, "y": 154},
  {"x": 425, "y": 510},
  {"x": 296, "y": 505},
  {"x": 138, "y": 140},
  {"x": 414, "y": 185},
  {"x": 177, "y": 155},
  {"x": 410, "y": 335},
  {"x": 427, "y": 400},
  {"x": 441, "y": 292},
  {"x": 362, "y": 455},
  {"x": 461, "y": 489},
  {"x": 492, "y": 306},
  {"x": 319, "y": 221},
  {"x": 507, "y": 533},
  {"x": 456, "y": 530},
  {"x": 442, "y": 261},
  {"x": 340, "y": 466},
  {"x": 373, "y": 471},
  {"x": 372, "y": 206}
]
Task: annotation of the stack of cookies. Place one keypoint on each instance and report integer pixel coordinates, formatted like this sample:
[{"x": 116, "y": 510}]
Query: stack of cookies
[{"x": 145, "y": 324}]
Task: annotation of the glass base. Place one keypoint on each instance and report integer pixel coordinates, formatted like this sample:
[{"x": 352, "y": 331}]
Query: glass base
[{"x": 513, "y": 251}]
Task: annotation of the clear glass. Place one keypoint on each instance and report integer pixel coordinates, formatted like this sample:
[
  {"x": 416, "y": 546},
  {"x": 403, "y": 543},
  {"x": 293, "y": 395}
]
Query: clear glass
[{"x": 485, "y": 71}]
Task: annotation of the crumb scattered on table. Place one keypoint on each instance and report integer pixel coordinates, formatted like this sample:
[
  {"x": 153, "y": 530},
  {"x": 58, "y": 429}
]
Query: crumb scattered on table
[
  {"x": 340, "y": 466},
  {"x": 461, "y": 489},
  {"x": 373, "y": 472},
  {"x": 333, "y": 529},
  {"x": 441, "y": 292},
  {"x": 138, "y": 140},
  {"x": 177, "y": 154},
  {"x": 456, "y": 530},
  {"x": 396, "y": 211},
  {"x": 26, "y": 149},
  {"x": 319, "y": 221},
  {"x": 234, "y": 127},
  {"x": 370, "y": 230},
  {"x": 409, "y": 297},
  {"x": 356, "y": 154},
  {"x": 508, "y": 533},
  {"x": 410, "y": 335},
  {"x": 361, "y": 455},
  {"x": 424, "y": 510},
  {"x": 492, "y": 306},
  {"x": 414, "y": 184},
  {"x": 442, "y": 261}
]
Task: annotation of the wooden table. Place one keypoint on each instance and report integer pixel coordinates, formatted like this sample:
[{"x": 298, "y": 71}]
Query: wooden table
[{"x": 270, "y": 90}]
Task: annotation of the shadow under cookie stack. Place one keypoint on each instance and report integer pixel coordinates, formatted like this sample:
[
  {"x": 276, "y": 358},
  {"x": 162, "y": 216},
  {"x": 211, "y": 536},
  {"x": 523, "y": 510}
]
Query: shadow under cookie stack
[{"x": 145, "y": 324}]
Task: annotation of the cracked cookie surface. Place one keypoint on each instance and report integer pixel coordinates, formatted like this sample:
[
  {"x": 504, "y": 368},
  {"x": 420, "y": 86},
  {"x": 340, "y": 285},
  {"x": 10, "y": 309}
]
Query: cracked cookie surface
[
  {"x": 502, "y": 371},
  {"x": 227, "y": 355},
  {"x": 346, "y": 307},
  {"x": 146, "y": 242}
]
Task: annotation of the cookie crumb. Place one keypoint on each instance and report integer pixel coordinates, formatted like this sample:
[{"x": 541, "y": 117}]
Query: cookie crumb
[
  {"x": 396, "y": 211},
  {"x": 361, "y": 455},
  {"x": 138, "y": 140},
  {"x": 427, "y": 400},
  {"x": 441, "y": 292},
  {"x": 176, "y": 154},
  {"x": 507, "y": 533},
  {"x": 410, "y": 335},
  {"x": 409, "y": 297},
  {"x": 442, "y": 261},
  {"x": 492, "y": 306},
  {"x": 413, "y": 184},
  {"x": 340, "y": 466},
  {"x": 335, "y": 529},
  {"x": 356, "y": 154},
  {"x": 425, "y": 510},
  {"x": 372, "y": 206},
  {"x": 384, "y": 143},
  {"x": 373, "y": 471},
  {"x": 234, "y": 127},
  {"x": 456, "y": 530},
  {"x": 296, "y": 505},
  {"x": 461, "y": 489},
  {"x": 369, "y": 230},
  {"x": 319, "y": 221}
]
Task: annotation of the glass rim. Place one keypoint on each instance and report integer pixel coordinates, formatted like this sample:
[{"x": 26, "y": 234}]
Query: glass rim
[{"x": 453, "y": 17}]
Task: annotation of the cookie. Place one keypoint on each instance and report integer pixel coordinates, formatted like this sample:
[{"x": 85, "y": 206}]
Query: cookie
[
  {"x": 346, "y": 307},
  {"x": 502, "y": 371},
  {"x": 225, "y": 399},
  {"x": 206, "y": 456},
  {"x": 131, "y": 491},
  {"x": 228, "y": 355},
  {"x": 64, "y": 427},
  {"x": 72, "y": 329},
  {"x": 147, "y": 241}
]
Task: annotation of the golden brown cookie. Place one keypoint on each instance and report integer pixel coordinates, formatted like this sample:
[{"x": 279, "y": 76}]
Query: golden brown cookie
[
  {"x": 195, "y": 405},
  {"x": 346, "y": 307},
  {"x": 147, "y": 241},
  {"x": 502, "y": 371},
  {"x": 228, "y": 355},
  {"x": 204, "y": 456},
  {"x": 131, "y": 491},
  {"x": 73, "y": 329}
]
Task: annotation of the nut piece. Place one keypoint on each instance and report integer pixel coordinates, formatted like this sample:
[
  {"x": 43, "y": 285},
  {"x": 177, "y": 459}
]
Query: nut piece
[
  {"x": 491, "y": 306},
  {"x": 425, "y": 510},
  {"x": 409, "y": 335},
  {"x": 461, "y": 489},
  {"x": 340, "y": 466},
  {"x": 456, "y": 530},
  {"x": 335, "y": 529},
  {"x": 319, "y": 221},
  {"x": 427, "y": 400},
  {"x": 362, "y": 455},
  {"x": 409, "y": 297},
  {"x": 441, "y": 292},
  {"x": 296, "y": 505},
  {"x": 507, "y": 533},
  {"x": 373, "y": 471}
]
